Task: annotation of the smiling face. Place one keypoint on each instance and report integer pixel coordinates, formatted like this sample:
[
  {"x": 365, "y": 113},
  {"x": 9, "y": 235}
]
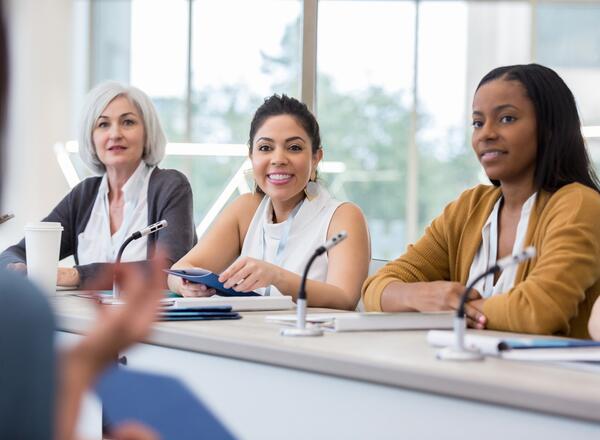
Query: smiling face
[
  {"x": 282, "y": 159},
  {"x": 505, "y": 132},
  {"x": 119, "y": 136}
]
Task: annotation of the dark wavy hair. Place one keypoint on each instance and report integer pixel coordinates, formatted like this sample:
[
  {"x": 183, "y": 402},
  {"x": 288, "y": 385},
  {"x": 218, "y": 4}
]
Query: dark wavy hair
[
  {"x": 276, "y": 105},
  {"x": 561, "y": 154}
]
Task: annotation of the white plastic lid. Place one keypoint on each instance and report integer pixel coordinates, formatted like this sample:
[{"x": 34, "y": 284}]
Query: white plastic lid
[{"x": 45, "y": 226}]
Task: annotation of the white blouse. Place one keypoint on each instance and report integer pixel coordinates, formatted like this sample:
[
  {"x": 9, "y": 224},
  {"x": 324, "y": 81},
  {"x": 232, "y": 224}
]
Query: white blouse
[
  {"x": 488, "y": 252},
  {"x": 290, "y": 244},
  {"x": 96, "y": 244}
]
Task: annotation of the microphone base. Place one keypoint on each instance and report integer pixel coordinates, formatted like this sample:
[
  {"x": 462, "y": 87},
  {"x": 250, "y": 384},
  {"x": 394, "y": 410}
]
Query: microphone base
[
  {"x": 307, "y": 331},
  {"x": 459, "y": 354}
]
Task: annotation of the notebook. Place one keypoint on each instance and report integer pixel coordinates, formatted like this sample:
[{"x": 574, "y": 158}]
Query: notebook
[
  {"x": 160, "y": 402},
  {"x": 206, "y": 277},
  {"x": 237, "y": 304},
  {"x": 208, "y": 313},
  {"x": 372, "y": 321}
]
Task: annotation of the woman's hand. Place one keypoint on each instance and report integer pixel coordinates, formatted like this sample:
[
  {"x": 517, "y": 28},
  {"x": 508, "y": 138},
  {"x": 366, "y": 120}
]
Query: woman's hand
[
  {"x": 67, "y": 277},
  {"x": 17, "y": 267},
  {"x": 189, "y": 289},
  {"x": 445, "y": 295},
  {"x": 248, "y": 274}
]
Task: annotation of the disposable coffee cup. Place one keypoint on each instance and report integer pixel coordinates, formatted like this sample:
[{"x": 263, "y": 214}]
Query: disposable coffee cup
[{"x": 42, "y": 244}]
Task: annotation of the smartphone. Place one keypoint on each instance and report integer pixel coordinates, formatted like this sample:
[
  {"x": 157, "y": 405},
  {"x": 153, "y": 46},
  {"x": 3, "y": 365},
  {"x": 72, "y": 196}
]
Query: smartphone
[{"x": 5, "y": 218}]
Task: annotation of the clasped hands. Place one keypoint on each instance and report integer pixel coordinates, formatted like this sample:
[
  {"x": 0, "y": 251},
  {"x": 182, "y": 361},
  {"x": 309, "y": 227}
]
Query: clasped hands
[
  {"x": 244, "y": 275},
  {"x": 446, "y": 295}
]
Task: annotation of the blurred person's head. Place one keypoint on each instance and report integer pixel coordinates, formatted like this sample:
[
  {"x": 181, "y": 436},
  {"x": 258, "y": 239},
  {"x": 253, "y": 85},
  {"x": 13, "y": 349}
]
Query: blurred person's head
[
  {"x": 526, "y": 125},
  {"x": 284, "y": 148},
  {"x": 120, "y": 128}
]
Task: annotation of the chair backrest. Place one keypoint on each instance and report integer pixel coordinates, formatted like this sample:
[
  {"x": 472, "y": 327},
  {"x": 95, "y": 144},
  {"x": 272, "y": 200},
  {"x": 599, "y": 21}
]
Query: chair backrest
[{"x": 374, "y": 266}]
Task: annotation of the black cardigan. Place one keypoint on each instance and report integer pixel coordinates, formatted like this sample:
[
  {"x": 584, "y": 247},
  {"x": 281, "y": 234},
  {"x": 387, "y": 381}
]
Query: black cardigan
[{"x": 169, "y": 198}]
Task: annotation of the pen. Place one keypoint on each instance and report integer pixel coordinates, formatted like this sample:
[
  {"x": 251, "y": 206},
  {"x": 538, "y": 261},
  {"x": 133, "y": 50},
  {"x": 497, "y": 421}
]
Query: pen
[{"x": 5, "y": 218}]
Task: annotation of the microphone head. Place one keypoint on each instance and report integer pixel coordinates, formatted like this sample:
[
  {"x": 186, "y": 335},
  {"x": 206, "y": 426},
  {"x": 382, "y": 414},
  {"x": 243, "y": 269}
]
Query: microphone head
[
  {"x": 335, "y": 240},
  {"x": 162, "y": 224},
  {"x": 153, "y": 228},
  {"x": 527, "y": 254}
]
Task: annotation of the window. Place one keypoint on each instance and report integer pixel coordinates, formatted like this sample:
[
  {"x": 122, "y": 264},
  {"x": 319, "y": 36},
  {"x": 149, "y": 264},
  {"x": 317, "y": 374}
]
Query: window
[
  {"x": 364, "y": 101},
  {"x": 394, "y": 84}
]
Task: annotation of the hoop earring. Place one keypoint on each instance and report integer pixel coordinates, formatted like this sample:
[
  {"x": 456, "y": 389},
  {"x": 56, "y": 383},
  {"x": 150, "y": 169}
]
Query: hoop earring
[{"x": 311, "y": 190}]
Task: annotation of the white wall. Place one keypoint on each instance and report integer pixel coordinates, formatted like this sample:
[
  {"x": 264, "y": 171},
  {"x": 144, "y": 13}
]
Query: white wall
[{"x": 40, "y": 33}]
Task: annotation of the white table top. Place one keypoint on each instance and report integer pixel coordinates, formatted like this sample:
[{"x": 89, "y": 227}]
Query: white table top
[{"x": 394, "y": 358}]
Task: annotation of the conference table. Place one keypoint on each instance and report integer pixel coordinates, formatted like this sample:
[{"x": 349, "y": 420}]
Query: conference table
[{"x": 355, "y": 385}]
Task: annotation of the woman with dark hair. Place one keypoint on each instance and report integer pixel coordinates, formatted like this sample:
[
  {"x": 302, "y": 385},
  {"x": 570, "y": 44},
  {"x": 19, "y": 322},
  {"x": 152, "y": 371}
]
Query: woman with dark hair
[
  {"x": 527, "y": 136},
  {"x": 263, "y": 240}
]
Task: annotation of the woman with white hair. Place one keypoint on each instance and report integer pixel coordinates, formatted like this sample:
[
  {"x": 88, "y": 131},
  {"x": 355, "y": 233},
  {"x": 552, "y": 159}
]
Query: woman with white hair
[{"x": 122, "y": 140}]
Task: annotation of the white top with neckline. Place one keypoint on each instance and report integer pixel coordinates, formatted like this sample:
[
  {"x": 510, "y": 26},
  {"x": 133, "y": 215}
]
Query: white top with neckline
[
  {"x": 96, "y": 243},
  {"x": 488, "y": 251}
]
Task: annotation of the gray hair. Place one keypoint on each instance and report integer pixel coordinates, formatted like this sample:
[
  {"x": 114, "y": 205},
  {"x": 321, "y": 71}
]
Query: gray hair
[{"x": 97, "y": 100}]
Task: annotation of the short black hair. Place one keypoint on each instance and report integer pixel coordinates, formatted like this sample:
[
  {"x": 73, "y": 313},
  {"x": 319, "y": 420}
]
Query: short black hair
[
  {"x": 276, "y": 105},
  {"x": 561, "y": 154}
]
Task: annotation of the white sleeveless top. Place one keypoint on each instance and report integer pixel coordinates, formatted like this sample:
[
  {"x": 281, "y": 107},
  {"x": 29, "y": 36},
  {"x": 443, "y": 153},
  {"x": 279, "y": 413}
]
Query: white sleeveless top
[{"x": 308, "y": 231}]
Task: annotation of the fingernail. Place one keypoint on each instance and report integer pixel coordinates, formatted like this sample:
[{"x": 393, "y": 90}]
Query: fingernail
[{"x": 481, "y": 319}]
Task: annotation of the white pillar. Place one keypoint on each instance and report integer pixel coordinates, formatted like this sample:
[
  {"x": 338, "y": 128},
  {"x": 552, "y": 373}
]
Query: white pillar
[{"x": 39, "y": 114}]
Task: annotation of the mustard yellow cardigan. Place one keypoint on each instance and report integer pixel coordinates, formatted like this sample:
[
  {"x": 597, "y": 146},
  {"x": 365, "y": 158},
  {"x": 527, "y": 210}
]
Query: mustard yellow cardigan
[{"x": 553, "y": 293}]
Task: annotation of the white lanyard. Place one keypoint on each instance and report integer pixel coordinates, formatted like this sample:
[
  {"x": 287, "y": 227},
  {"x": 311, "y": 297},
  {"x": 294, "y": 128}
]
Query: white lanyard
[{"x": 282, "y": 241}]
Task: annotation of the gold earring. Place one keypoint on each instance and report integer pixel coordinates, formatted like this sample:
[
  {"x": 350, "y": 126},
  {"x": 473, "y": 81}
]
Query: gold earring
[{"x": 311, "y": 190}]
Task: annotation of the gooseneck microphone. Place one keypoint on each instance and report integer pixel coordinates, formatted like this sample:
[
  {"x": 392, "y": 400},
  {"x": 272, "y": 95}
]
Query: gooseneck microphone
[
  {"x": 301, "y": 329},
  {"x": 459, "y": 352},
  {"x": 139, "y": 234},
  {"x": 136, "y": 235}
]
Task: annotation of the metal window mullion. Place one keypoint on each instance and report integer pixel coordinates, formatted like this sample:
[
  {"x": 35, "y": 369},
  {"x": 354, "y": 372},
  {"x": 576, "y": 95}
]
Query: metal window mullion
[
  {"x": 308, "y": 80},
  {"x": 412, "y": 184},
  {"x": 91, "y": 49},
  {"x": 533, "y": 31},
  {"x": 188, "y": 84}
]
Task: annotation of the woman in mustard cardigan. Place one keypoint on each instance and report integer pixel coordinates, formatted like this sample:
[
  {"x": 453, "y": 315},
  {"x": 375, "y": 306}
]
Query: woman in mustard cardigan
[{"x": 527, "y": 136}]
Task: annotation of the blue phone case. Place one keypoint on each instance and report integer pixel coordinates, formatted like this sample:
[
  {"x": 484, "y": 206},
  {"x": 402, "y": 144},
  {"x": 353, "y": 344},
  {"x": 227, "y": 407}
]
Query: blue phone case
[{"x": 201, "y": 276}]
